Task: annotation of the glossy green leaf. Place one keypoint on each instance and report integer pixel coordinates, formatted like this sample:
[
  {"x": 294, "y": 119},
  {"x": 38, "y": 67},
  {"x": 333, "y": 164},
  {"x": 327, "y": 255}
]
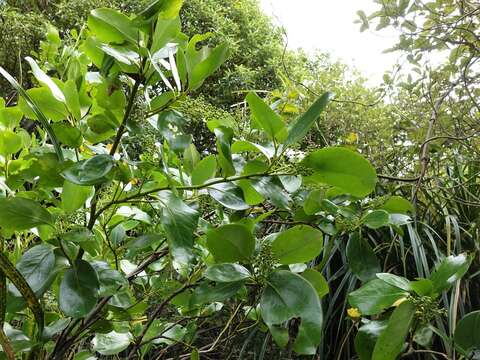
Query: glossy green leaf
[
  {"x": 72, "y": 98},
  {"x": 390, "y": 343},
  {"x": 111, "y": 26},
  {"x": 10, "y": 117},
  {"x": 450, "y": 270},
  {"x": 90, "y": 172},
  {"x": 467, "y": 336},
  {"x": 271, "y": 190},
  {"x": 395, "y": 280},
  {"x": 297, "y": 245},
  {"x": 317, "y": 281},
  {"x": 45, "y": 102},
  {"x": 313, "y": 202},
  {"x": 367, "y": 336},
  {"x": 224, "y": 139},
  {"x": 422, "y": 287},
  {"x": 375, "y": 296},
  {"x": 111, "y": 343},
  {"x": 10, "y": 142},
  {"x": 18, "y": 213},
  {"x": 303, "y": 124},
  {"x": 227, "y": 272},
  {"x": 74, "y": 196},
  {"x": 68, "y": 135},
  {"x": 362, "y": 260},
  {"x": 44, "y": 79},
  {"x": 208, "y": 66},
  {"x": 166, "y": 30},
  {"x": 268, "y": 119},
  {"x": 288, "y": 295},
  {"x": 179, "y": 222},
  {"x": 228, "y": 195},
  {"x": 144, "y": 241},
  {"x": 162, "y": 9},
  {"x": 230, "y": 243},
  {"x": 37, "y": 266},
  {"x": 204, "y": 170},
  {"x": 398, "y": 205},
  {"x": 191, "y": 157},
  {"x": 342, "y": 168},
  {"x": 206, "y": 293},
  {"x": 376, "y": 219},
  {"x": 78, "y": 290}
]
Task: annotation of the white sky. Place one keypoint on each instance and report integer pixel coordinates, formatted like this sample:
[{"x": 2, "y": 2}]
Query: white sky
[{"x": 327, "y": 25}]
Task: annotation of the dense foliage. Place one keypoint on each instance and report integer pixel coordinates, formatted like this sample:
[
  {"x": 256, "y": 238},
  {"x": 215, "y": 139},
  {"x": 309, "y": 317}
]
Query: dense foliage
[{"x": 169, "y": 192}]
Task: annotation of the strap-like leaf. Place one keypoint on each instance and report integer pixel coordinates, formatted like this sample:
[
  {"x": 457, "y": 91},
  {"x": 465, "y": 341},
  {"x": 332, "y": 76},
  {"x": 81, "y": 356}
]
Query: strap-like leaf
[
  {"x": 36, "y": 110},
  {"x": 19, "y": 281}
]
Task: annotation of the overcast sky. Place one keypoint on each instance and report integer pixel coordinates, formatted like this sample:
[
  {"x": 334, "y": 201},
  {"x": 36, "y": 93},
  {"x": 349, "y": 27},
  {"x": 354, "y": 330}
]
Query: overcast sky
[{"x": 328, "y": 25}]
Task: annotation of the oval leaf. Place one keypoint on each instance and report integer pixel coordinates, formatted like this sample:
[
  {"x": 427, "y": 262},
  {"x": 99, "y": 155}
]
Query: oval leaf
[
  {"x": 391, "y": 340},
  {"x": 230, "y": 243},
  {"x": 227, "y": 273},
  {"x": 93, "y": 171},
  {"x": 343, "y": 168},
  {"x": 297, "y": 245},
  {"x": 79, "y": 290},
  {"x": 18, "y": 213}
]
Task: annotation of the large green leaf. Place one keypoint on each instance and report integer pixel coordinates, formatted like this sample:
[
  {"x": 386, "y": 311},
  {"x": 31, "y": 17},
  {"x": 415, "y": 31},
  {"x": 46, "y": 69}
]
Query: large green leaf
[
  {"x": 297, "y": 245},
  {"x": 78, "y": 290},
  {"x": 467, "y": 334},
  {"x": 228, "y": 195},
  {"x": 74, "y": 196},
  {"x": 318, "y": 282},
  {"x": 111, "y": 26},
  {"x": 204, "y": 170},
  {"x": 269, "y": 189},
  {"x": 18, "y": 213},
  {"x": 37, "y": 266},
  {"x": 304, "y": 123},
  {"x": 208, "y": 66},
  {"x": 44, "y": 79},
  {"x": 362, "y": 260},
  {"x": 268, "y": 119},
  {"x": 93, "y": 171},
  {"x": 367, "y": 337},
  {"x": 227, "y": 272},
  {"x": 179, "y": 222},
  {"x": 230, "y": 243},
  {"x": 111, "y": 343},
  {"x": 224, "y": 139},
  {"x": 450, "y": 270},
  {"x": 395, "y": 280},
  {"x": 398, "y": 205},
  {"x": 162, "y": 9},
  {"x": 10, "y": 142},
  {"x": 46, "y": 103},
  {"x": 206, "y": 293},
  {"x": 342, "y": 168},
  {"x": 68, "y": 135},
  {"x": 375, "y": 296},
  {"x": 376, "y": 219},
  {"x": 288, "y": 295},
  {"x": 391, "y": 340}
]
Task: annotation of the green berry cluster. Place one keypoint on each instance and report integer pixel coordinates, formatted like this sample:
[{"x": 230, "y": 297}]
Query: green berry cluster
[
  {"x": 264, "y": 262},
  {"x": 426, "y": 309}
]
